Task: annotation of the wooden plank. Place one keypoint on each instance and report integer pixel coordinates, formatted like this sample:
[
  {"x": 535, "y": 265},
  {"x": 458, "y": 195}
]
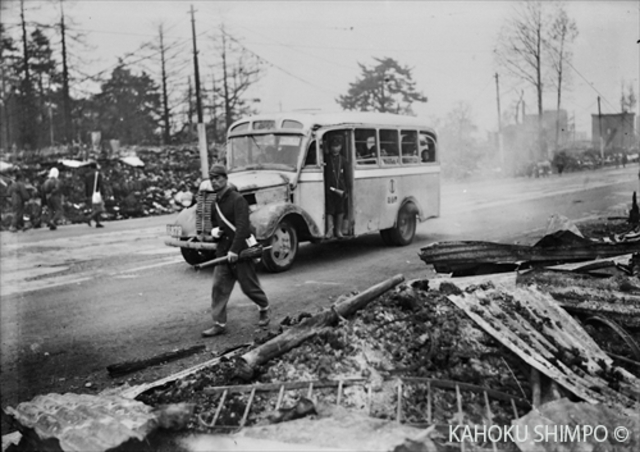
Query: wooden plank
[
  {"x": 312, "y": 326},
  {"x": 127, "y": 367},
  {"x": 284, "y": 386},
  {"x": 135, "y": 391},
  {"x": 460, "y": 255}
]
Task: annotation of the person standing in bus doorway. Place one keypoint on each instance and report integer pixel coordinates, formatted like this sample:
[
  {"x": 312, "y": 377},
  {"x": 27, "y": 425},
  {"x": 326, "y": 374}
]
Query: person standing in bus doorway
[
  {"x": 335, "y": 188},
  {"x": 93, "y": 184},
  {"x": 231, "y": 215},
  {"x": 52, "y": 189}
]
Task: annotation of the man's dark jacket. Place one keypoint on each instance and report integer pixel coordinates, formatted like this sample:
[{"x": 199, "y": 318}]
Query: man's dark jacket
[{"x": 236, "y": 210}]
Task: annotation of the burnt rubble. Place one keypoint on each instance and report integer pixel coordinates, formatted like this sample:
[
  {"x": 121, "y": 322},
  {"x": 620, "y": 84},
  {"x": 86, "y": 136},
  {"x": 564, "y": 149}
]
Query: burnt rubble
[
  {"x": 422, "y": 356},
  {"x": 129, "y": 191}
]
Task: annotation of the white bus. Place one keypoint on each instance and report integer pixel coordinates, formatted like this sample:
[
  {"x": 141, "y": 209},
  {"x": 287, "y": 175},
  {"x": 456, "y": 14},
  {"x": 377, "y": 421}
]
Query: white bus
[{"x": 277, "y": 162}]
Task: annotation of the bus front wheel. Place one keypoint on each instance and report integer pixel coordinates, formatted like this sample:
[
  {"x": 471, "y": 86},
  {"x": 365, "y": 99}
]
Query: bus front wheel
[
  {"x": 284, "y": 248},
  {"x": 404, "y": 231}
]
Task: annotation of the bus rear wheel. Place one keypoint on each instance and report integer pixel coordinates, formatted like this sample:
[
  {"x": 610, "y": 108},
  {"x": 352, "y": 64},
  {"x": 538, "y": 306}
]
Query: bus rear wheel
[
  {"x": 284, "y": 248},
  {"x": 403, "y": 233},
  {"x": 195, "y": 257}
]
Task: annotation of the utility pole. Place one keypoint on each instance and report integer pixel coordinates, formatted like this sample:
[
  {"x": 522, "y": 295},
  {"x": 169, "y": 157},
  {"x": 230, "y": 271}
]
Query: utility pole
[
  {"x": 51, "y": 135},
  {"x": 225, "y": 82},
  {"x": 202, "y": 134},
  {"x": 500, "y": 148},
  {"x": 66, "y": 101},
  {"x": 4, "y": 119},
  {"x": 27, "y": 128},
  {"x": 190, "y": 110},
  {"x": 165, "y": 96},
  {"x": 600, "y": 131}
]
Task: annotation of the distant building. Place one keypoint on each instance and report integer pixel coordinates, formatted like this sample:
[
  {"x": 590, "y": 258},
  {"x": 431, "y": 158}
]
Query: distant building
[{"x": 617, "y": 130}]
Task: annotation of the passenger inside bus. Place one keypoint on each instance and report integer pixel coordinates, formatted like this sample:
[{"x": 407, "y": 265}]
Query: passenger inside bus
[
  {"x": 366, "y": 151},
  {"x": 410, "y": 147},
  {"x": 427, "y": 148}
]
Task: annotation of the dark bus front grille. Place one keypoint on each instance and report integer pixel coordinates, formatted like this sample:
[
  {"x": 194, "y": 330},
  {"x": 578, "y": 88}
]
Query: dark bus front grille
[{"x": 204, "y": 208}]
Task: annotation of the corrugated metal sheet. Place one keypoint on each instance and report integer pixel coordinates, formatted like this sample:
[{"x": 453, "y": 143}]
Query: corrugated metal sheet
[{"x": 532, "y": 324}]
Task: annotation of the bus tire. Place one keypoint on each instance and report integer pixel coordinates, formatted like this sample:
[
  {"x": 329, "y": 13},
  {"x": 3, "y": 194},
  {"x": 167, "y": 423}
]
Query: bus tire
[
  {"x": 284, "y": 248},
  {"x": 404, "y": 231},
  {"x": 195, "y": 257}
]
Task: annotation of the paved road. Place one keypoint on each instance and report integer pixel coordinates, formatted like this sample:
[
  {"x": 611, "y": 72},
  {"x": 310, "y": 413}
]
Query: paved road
[{"x": 78, "y": 299}]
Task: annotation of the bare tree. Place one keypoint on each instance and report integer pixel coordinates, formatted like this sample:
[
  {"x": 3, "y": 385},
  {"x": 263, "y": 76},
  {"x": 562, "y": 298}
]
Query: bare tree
[
  {"x": 169, "y": 56},
  {"x": 240, "y": 69},
  {"x": 561, "y": 35},
  {"x": 520, "y": 49}
]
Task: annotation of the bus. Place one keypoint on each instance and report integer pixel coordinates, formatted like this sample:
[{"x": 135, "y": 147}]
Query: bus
[{"x": 277, "y": 162}]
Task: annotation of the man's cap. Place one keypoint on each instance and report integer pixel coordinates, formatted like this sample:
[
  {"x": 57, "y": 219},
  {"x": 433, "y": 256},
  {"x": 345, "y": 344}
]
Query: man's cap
[{"x": 217, "y": 170}]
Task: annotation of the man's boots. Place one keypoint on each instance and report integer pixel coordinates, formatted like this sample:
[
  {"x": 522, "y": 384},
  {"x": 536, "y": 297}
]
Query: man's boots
[
  {"x": 264, "y": 317},
  {"x": 339, "y": 219},
  {"x": 329, "y": 234}
]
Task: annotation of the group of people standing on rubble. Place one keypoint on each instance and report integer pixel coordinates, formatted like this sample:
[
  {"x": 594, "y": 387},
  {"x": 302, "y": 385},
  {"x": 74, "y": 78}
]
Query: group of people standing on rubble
[{"x": 50, "y": 195}]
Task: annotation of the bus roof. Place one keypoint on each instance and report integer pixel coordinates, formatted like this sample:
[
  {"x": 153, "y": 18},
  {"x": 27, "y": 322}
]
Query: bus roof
[{"x": 311, "y": 119}]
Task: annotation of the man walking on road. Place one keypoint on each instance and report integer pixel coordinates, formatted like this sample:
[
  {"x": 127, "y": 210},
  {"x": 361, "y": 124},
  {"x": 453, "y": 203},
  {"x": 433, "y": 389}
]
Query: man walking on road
[
  {"x": 231, "y": 215},
  {"x": 93, "y": 184}
]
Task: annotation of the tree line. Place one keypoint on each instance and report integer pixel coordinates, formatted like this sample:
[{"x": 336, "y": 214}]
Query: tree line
[
  {"x": 142, "y": 100},
  {"x": 148, "y": 98}
]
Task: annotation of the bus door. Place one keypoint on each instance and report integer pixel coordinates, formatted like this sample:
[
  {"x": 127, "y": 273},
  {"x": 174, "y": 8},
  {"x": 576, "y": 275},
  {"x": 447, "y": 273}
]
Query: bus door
[
  {"x": 309, "y": 192},
  {"x": 338, "y": 199}
]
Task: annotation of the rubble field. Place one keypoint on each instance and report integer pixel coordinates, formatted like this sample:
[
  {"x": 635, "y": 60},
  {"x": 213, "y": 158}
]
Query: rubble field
[{"x": 426, "y": 355}]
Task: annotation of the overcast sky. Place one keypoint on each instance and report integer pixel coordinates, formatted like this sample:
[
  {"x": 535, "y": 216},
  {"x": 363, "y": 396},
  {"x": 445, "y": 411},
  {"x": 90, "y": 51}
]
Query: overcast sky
[{"x": 310, "y": 50}]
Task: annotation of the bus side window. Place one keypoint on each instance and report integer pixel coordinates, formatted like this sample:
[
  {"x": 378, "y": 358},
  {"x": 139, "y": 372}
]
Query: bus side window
[
  {"x": 312, "y": 156},
  {"x": 366, "y": 149},
  {"x": 389, "y": 146},
  {"x": 427, "y": 146},
  {"x": 410, "y": 147}
]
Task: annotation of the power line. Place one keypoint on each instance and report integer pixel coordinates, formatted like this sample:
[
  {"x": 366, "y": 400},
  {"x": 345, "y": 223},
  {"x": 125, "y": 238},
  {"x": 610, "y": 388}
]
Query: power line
[{"x": 275, "y": 65}]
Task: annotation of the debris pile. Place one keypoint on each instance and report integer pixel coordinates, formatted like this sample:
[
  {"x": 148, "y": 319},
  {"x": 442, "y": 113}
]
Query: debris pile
[
  {"x": 413, "y": 334},
  {"x": 130, "y": 190},
  {"x": 462, "y": 352}
]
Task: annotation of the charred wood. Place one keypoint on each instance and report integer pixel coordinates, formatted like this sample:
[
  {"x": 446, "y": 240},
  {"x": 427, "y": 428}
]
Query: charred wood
[
  {"x": 464, "y": 257},
  {"x": 116, "y": 370},
  {"x": 311, "y": 326}
]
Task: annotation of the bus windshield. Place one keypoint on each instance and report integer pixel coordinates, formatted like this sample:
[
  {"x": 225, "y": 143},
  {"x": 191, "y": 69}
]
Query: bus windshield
[{"x": 265, "y": 151}]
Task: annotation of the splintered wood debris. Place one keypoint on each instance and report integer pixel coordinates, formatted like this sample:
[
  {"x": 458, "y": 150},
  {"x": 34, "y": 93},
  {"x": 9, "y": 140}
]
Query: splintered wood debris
[
  {"x": 563, "y": 243},
  {"x": 531, "y": 324}
]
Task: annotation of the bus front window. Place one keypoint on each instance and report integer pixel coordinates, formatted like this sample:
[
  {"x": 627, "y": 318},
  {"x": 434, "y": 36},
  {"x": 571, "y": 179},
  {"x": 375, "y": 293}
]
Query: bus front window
[{"x": 269, "y": 151}]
